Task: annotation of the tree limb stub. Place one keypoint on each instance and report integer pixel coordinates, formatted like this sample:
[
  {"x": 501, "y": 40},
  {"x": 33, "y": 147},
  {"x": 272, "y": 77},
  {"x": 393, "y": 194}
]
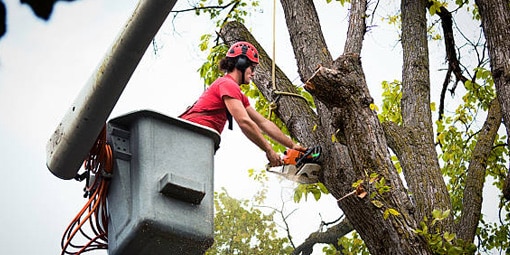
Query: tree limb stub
[{"x": 335, "y": 87}]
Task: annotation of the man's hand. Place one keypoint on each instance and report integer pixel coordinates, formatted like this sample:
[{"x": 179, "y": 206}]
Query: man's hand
[
  {"x": 274, "y": 158},
  {"x": 298, "y": 147}
]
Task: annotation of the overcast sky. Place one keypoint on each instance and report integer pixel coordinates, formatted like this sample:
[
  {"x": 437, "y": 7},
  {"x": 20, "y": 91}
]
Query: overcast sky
[{"x": 43, "y": 66}]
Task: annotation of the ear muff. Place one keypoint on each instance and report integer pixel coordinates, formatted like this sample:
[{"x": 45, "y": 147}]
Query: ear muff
[{"x": 242, "y": 63}]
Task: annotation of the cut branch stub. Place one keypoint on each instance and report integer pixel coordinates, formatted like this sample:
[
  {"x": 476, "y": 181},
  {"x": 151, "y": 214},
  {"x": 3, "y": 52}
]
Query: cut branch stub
[{"x": 342, "y": 85}]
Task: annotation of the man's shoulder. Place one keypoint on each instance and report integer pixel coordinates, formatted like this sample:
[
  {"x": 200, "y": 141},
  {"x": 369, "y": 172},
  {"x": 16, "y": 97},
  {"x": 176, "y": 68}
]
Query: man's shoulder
[
  {"x": 225, "y": 83},
  {"x": 224, "y": 80}
]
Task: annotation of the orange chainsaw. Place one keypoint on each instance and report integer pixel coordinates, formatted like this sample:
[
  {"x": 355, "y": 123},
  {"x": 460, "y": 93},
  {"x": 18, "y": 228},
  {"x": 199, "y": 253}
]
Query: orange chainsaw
[{"x": 298, "y": 166}]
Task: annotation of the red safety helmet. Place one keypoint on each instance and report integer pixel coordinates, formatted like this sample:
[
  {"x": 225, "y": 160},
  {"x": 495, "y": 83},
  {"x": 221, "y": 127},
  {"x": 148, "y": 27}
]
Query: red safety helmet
[{"x": 244, "y": 48}]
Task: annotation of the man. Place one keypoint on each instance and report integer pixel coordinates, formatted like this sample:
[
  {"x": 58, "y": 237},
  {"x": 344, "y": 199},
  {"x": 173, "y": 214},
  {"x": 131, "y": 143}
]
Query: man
[{"x": 224, "y": 100}]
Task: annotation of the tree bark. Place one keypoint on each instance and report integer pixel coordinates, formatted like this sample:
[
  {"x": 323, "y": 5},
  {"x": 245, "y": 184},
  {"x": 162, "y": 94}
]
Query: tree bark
[
  {"x": 357, "y": 28},
  {"x": 475, "y": 179},
  {"x": 418, "y": 157},
  {"x": 357, "y": 118},
  {"x": 344, "y": 89},
  {"x": 311, "y": 51},
  {"x": 495, "y": 16}
]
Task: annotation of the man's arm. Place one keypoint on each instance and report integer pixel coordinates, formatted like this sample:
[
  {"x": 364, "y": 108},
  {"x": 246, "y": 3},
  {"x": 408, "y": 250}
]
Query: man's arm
[
  {"x": 250, "y": 129},
  {"x": 272, "y": 130}
]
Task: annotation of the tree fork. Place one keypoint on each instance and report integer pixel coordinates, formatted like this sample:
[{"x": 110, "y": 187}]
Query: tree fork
[{"x": 344, "y": 89}]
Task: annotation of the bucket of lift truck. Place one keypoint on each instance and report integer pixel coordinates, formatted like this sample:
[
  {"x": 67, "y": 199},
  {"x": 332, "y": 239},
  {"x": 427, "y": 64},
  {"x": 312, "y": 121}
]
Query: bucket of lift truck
[{"x": 160, "y": 199}]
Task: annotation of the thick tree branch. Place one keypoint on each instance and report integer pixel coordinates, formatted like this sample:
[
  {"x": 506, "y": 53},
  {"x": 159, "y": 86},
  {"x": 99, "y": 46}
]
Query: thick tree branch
[
  {"x": 420, "y": 161},
  {"x": 307, "y": 40},
  {"x": 330, "y": 236},
  {"x": 401, "y": 141},
  {"x": 344, "y": 89},
  {"x": 494, "y": 13},
  {"x": 451, "y": 56},
  {"x": 310, "y": 51},
  {"x": 357, "y": 27},
  {"x": 472, "y": 199}
]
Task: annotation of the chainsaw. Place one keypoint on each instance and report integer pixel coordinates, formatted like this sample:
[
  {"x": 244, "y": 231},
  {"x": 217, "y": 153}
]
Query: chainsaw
[{"x": 301, "y": 167}]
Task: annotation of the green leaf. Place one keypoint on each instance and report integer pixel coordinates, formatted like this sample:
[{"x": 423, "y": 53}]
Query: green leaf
[
  {"x": 449, "y": 236},
  {"x": 393, "y": 212},
  {"x": 386, "y": 214},
  {"x": 357, "y": 183},
  {"x": 377, "y": 203},
  {"x": 316, "y": 194},
  {"x": 333, "y": 138}
]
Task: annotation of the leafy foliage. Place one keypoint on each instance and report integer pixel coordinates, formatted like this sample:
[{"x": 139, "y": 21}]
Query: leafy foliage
[
  {"x": 209, "y": 71},
  {"x": 457, "y": 136},
  {"x": 315, "y": 189},
  {"x": 391, "y": 97},
  {"x": 494, "y": 236},
  {"x": 435, "y": 6},
  {"x": 443, "y": 243},
  {"x": 231, "y": 10},
  {"x": 242, "y": 229},
  {"x": 351, "y": 245}
]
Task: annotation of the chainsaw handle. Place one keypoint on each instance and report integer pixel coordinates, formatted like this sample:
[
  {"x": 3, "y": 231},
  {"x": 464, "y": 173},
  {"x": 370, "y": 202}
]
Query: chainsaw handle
[{"x": 307, "y": 153}]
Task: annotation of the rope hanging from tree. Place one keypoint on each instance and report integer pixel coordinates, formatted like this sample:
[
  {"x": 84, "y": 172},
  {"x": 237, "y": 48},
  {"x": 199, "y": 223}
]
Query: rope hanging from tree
[{"x": 273, "y": 105}]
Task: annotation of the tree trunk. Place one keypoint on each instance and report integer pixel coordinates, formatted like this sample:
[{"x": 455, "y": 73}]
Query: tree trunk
[
  {"x": 495, "y": 16},
  {"x": 344, "y": 89},
  {"x": 311, "y": 51},
  {"x": 367, "y": 148}
]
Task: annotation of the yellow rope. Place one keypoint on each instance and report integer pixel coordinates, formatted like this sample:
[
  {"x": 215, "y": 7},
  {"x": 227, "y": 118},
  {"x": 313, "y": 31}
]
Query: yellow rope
[
  {"x": 273, "y": 105},
  {"x": 273, "y": 71}
]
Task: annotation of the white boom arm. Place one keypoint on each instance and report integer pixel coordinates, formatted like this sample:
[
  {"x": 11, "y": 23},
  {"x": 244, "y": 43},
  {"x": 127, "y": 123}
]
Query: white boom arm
[{"x": 74, "y": 136}]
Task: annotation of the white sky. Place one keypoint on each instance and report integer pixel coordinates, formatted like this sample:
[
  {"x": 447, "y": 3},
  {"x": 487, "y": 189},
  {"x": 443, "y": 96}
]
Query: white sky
[{"x": 43, "y": 66}]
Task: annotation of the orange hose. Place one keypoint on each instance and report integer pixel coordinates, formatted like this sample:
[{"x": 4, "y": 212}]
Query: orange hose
[{"x": 98, "y": 163}]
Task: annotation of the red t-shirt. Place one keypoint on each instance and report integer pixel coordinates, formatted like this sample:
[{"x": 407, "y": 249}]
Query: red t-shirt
[{"x": 210, "y": 109}]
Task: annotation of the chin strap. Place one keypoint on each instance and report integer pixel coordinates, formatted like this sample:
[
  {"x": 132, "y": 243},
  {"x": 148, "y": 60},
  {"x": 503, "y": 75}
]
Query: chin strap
[{"x": 242, "y": 76}]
